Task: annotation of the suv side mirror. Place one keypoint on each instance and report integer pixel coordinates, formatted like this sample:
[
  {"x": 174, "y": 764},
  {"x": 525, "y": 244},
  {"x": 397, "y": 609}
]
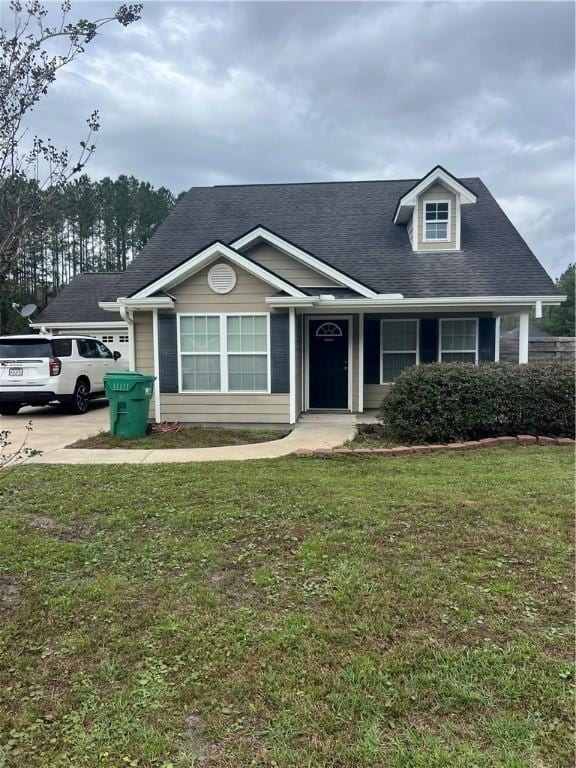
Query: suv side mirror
[{"x": 116, "y": 355}]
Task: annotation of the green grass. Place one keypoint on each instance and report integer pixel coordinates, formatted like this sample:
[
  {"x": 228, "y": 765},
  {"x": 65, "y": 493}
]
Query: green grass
[
  {"x": 192, "y": 437},
  {"x": 299, "y": 613}
]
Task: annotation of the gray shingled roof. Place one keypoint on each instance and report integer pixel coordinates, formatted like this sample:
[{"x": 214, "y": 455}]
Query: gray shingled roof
[
  {"x": 78, "y": 301},
  {"x": 350, "y": 226}
]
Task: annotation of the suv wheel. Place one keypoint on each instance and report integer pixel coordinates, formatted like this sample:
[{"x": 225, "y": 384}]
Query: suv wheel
[
  {"x": 9, "y": 409},
  {"x": 79, "y": 402}
]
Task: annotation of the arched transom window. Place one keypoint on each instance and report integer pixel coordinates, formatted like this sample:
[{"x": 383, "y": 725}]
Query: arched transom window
[{"x": 328, "y": 330}]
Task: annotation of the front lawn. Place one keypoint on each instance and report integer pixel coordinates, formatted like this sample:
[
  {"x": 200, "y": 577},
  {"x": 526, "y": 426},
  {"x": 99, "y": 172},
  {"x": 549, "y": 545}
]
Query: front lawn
[
  {"x": 189, "y": 437},
  {"x": 299, "y": 613}
]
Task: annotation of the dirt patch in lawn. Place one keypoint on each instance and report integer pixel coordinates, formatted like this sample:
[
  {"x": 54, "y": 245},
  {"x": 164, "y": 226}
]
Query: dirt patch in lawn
[
  {"x": 49, "y": 525},
  {"x": 194, "y": 746},
  {"x": 10, "y": 592},
  {"x": 189, "y": 437}
]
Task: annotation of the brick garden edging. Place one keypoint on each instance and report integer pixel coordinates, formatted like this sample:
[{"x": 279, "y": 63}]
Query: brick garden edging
[{"x": 404, "y": 450}]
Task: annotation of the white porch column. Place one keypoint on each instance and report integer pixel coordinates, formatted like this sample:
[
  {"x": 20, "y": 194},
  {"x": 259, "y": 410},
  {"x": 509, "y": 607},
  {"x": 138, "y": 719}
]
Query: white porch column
[
  {"x": 497, "y": 340},
  {"x": 523, "y": 337},
  {"x": 157, "y": 416},
  {"x": 292, "y": 357},
  {"x": 361, "y": 362}
]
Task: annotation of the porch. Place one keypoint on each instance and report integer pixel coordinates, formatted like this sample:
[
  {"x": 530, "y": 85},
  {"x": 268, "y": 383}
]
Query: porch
[{"x": 346, "y": 363}]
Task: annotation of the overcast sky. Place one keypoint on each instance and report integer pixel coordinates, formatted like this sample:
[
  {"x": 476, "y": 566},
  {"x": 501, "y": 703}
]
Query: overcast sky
[{"x": 217, "y": 93}]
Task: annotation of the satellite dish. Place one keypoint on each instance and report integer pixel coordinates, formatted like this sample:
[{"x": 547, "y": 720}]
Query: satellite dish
[{"x": 28, "y": 309}]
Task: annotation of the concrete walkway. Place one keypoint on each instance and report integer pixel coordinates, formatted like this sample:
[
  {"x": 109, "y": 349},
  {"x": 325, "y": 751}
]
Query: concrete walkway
[{"x": 53, "y": 431}]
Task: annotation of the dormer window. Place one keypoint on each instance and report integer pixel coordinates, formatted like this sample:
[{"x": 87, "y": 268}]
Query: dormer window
[
  {"x": 437, "y": 220},
  {"x": 430, "y": 210}
]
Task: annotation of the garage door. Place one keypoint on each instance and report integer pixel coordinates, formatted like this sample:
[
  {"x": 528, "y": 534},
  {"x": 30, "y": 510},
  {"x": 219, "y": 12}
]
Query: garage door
[{"x": 116, "y": 341}]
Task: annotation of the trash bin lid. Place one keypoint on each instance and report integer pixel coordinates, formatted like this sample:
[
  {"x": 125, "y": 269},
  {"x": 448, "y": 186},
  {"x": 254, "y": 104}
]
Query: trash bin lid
[{"x": 129, "y": 376}]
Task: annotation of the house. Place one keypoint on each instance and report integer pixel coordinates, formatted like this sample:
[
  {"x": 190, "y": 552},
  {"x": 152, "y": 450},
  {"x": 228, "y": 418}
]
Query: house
[
  {"x": 75, "y": 310},
  {"x": 253, "y": 304}
]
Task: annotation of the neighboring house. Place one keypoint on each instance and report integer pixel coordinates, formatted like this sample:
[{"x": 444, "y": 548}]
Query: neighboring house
[
  {"x": 252, "y": 304},
  {"x": 75, "y": 310}
]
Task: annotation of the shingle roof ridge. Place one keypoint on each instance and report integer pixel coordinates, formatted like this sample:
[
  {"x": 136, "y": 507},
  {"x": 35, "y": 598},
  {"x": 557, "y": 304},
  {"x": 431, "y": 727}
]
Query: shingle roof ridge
[{"x": 311, "y": 183}]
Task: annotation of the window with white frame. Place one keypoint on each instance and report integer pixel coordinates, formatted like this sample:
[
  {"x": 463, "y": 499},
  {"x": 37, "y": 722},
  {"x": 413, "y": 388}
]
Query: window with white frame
[
  {"x": 247, "y": 340},
  {"x": 399, "y": 347},
  {"x": 437, "y": 220},
  {"x": 108, "y": 339},
  {"x": 459, "y": 341},
  {"x": 200, "y": 353},
  {"x": 224, "y": 353},
  {"x": 123, "y": 339}
]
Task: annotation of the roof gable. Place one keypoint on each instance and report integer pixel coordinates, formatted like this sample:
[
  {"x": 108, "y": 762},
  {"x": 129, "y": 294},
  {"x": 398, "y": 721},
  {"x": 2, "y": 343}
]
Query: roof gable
[
  {"x": 262, "y": 234},
  {"x": 437, "y": 175},
  {"x": 206, "y": 256}
]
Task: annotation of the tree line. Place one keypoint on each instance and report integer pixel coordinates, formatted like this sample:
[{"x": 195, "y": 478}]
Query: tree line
[{"x": 85, "y": 226}]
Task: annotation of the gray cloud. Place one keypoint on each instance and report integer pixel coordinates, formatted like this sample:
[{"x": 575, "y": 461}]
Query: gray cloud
[{"x": 207, "y": 93}]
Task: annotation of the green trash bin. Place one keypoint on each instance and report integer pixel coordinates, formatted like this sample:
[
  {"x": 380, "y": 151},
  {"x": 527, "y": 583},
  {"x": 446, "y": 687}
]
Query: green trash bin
[{"x": 129, "y": 394}]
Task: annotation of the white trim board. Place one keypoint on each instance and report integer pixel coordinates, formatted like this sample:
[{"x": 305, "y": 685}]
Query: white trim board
[
  {"x": 209, "y": 254},
  {"x": 433, "y": 304},
  {"x": 436, "y": 175},
  {"x": 102, "y": 325},
  {"x": 260, "y": 233},
  {"x": 156, "y": 351},
  {"x": 292, "y": 362}
]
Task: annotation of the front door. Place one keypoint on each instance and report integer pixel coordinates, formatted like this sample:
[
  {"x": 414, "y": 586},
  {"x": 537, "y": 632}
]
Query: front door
[{"x": 328, "y": 363}]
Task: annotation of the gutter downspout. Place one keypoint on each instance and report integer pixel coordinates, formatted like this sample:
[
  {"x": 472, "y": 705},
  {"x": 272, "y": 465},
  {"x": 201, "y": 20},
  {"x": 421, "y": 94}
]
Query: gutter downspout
[{"x": 128, "y": 318}]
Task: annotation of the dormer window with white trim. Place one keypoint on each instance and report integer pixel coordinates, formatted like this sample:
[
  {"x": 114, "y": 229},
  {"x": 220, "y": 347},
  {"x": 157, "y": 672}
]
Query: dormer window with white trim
[
  {"x": 431, "y": 211},
  {"x": 437, "y": 220}
]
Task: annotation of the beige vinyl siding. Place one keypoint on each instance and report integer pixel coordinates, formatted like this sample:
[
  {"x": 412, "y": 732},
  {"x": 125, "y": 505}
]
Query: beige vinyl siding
[
  {"x": 374, "y": 393},
  {"x": 194, "y": 294},
  {"x": 437, "y": 192},
  {"x": 221, "y": 408},
  {"x": 410, "y": 228},
  {"x": 287, "y": 267},
  {"x": 143, "y": 342}
]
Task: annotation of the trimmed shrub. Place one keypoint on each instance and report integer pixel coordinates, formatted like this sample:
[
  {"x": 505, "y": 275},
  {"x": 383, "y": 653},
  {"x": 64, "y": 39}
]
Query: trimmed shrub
[{"x": 443, "y": 402}]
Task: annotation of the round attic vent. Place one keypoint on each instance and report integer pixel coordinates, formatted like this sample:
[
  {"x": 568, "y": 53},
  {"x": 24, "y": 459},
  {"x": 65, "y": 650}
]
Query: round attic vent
[{"x": 222, "y": 278}]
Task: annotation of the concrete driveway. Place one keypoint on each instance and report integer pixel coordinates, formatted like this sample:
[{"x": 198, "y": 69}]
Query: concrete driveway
[{"x": 52, "y": 428}]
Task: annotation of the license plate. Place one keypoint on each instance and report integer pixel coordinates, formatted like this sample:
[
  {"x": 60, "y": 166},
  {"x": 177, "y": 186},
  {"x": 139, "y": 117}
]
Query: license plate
[{"x": 15, "y": 371}]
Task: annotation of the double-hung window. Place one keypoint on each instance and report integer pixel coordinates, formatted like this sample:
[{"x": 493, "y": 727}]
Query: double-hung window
[
  {"x": 399, "y": 348},
  {"x": 247, "y": 340},
  {"x": 437, "y": 220},
  {"x": 224, "y": 353},
  {"x": 459, "y": 341}
]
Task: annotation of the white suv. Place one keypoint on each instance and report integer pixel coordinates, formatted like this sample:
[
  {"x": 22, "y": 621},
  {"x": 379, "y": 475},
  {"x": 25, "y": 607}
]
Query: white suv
[{"x": 41, "y": 369}]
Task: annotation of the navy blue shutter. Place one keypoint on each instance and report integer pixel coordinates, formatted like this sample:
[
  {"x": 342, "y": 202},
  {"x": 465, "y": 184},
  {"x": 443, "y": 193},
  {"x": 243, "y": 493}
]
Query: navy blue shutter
[
  {"x": 280, "y": 353},
  {"x": 372, "y": 350},
  {"x": 167, "y": 353},
  {"x": 486, "y": 339},
  {"x": 428, "y": 340}
]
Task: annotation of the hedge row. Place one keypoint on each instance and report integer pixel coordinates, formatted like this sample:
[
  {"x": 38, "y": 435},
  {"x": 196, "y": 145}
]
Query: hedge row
[{"x": 444, "y": 402}]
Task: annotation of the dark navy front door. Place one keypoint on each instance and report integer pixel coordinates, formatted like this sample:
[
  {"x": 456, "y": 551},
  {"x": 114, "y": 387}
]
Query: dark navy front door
[{"x": 328, "y": 363}]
